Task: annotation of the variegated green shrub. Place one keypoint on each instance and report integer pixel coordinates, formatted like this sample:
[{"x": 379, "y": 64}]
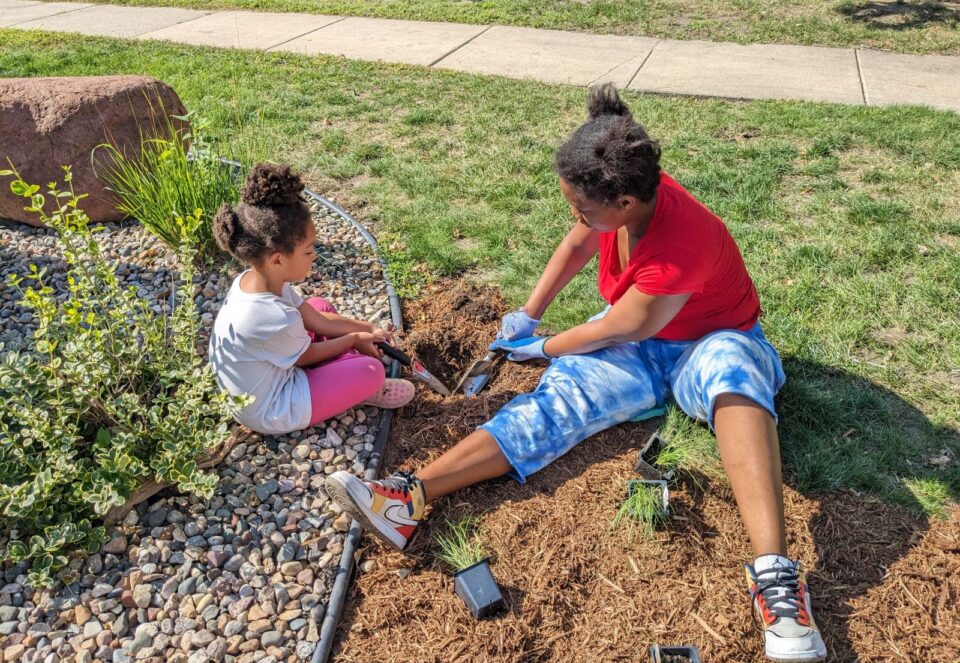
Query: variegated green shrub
[{"x": 108, "y": 395}]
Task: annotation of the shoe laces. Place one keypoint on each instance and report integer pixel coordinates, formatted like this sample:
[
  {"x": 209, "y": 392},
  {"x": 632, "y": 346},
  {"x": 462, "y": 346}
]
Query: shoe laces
[
  {"x": 399, "y": 482},
  {"x": 779, "y": 589}
]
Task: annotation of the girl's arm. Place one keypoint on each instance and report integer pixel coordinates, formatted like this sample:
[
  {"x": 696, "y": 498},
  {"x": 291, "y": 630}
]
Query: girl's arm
[
  {"x": 332, "y": 325},
  {"x": 573, "y": 253},
  {"x": 321, "y": 351},
  {"x": 635, "y": 317}
]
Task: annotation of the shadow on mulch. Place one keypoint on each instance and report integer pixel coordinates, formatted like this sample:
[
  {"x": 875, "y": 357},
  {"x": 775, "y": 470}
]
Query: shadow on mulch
[{"x": 885, "y": 581}]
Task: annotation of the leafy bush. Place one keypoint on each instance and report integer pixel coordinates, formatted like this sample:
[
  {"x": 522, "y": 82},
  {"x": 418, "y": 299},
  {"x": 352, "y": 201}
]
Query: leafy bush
[
  {"x": 108, "y": 396},
  {"x": 172, "y": 176},
  {"x": 460, "y": 546}
]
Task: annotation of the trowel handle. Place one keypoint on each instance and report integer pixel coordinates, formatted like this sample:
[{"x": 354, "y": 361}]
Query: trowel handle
[{"x": 394, "y": 353}]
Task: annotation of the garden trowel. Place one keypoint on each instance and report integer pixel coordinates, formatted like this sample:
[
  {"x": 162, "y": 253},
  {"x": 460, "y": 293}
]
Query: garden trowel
[
  {"x": 477, "y": 376},
  {"x": 416, "y": 368}
]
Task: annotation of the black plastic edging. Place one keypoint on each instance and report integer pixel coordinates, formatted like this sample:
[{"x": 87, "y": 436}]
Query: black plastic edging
[{"x": 344, "y": 573}]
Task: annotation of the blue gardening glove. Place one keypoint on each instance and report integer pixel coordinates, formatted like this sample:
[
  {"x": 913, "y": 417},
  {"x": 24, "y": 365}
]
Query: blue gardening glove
[
  {"x": 517, "y": 324},
  {"x": 522, "y": 349}
]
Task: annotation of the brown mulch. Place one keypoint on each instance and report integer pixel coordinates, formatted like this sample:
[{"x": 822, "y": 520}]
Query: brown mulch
[{"x": 885, "y": 582}]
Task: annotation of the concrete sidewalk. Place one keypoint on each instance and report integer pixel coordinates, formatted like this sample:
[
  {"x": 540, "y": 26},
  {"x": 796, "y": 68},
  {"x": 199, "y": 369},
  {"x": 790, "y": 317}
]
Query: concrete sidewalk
[{"x": 697, "y": 68}]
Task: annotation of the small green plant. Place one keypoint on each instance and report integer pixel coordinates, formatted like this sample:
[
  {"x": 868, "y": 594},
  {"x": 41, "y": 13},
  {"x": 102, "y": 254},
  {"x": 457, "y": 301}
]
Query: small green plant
[
  {"x": 174, "y": 174},
  {"x": 688, "y": 448},
  {"x": 460, "y": 544},
  {"x": 107, "y": 396},
  {"x": 642, "y": 510}
]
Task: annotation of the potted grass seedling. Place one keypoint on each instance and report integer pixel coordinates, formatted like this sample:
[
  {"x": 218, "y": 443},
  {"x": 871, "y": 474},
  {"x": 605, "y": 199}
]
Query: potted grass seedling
[
  {"x": 461, "y": 548},
  {"x": 646, "y": 465},
  {"x": 660, "y": 654},
  {"x": 647, "y": 506}
]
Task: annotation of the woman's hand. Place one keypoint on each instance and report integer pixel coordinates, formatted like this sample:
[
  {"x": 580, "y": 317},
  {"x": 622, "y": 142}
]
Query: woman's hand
[
  {"x": 517, "y": 324},
  {"x": 522, "y": 349},
  {"x": 366, "y": 342}
]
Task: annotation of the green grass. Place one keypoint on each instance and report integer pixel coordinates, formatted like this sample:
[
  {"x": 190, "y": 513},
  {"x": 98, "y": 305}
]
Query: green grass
[
  {"x": 848, "y": 218},
  {"x": 688, "y": 448},
  {"x": 913, "y": 26},
  {"x": 642, "y": 511},
  {"x": 459, "y": 545}
]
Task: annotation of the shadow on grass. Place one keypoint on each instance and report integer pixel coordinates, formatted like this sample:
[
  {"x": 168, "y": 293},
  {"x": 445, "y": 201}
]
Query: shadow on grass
[
  {"x": 899, "y": 15},
  {"x": 839, "y": 431},
  {"x": 844, "y": 439}
]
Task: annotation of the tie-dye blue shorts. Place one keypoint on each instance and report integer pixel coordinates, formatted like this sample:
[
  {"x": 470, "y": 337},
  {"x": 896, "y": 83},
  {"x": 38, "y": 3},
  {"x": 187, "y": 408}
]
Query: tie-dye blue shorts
[{"x": 580, "y": 395}]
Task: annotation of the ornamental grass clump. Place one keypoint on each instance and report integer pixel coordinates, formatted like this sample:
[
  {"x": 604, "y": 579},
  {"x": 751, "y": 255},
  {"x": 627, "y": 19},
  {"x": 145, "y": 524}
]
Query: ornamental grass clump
[
  {"x": 642, "y": 510},
  {"x": 460, "y": 545},
  {"x": 689, "y": 449},
  {"x": 108, "y": 395},
  {"x": 175, "y": 173}
]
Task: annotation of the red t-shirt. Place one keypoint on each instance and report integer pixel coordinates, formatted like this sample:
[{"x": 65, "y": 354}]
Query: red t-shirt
[{"x": 686, "y": 248}]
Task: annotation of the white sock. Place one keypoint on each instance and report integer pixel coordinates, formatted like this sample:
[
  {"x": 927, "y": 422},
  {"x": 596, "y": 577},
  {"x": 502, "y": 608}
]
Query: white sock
[{"x": 764, "y": 562}]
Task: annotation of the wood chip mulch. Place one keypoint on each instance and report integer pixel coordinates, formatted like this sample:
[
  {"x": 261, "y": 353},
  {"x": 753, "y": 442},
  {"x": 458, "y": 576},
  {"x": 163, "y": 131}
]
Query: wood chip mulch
[{"x": 885, "y": 582}]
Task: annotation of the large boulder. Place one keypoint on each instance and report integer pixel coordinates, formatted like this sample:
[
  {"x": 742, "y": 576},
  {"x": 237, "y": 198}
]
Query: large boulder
[{"x": 46, "y": 123}]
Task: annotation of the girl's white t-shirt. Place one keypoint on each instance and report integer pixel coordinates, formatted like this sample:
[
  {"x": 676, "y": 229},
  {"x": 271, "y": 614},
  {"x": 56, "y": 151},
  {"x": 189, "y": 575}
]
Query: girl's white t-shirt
[{"x": 256, "y": 341}]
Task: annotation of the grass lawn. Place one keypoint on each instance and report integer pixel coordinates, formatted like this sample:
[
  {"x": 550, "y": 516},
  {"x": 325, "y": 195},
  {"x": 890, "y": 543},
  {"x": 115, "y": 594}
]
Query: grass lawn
[
  {"x": 848, "y": 217},
  {"x": 908, "y": 26}
]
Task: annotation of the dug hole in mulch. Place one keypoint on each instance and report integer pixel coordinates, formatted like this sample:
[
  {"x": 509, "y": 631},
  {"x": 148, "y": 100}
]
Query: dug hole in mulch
[{"x": 885, "y": 582}]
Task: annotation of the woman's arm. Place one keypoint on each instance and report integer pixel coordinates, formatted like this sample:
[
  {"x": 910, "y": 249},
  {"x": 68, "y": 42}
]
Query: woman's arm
[
  {"x": 573, "y": 252},
  {"x": 635, "y": 317}
]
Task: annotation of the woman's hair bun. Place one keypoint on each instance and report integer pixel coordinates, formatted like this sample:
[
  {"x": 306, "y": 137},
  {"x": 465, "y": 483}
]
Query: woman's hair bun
[
  {"x": 269, "y": 185},
  {"x": 605, "y": 100}
]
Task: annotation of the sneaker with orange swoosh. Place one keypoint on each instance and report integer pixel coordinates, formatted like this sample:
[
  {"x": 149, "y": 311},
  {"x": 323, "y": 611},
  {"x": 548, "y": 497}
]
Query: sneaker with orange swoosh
[{"x": 389, "y": 508}]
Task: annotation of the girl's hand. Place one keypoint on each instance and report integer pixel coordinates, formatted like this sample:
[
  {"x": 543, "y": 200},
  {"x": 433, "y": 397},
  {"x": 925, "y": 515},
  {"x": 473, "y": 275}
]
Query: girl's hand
[
  {"x": 365, "y": 343},
  {"x": 382, "y": 335}
]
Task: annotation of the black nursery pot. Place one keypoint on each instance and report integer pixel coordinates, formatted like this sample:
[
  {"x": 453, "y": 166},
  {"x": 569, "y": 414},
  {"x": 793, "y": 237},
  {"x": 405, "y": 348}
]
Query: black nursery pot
[
  {"x": 647, "y": 459},
  {"x": 476, "y": 586},
  {"x": 660, "y": 654}
]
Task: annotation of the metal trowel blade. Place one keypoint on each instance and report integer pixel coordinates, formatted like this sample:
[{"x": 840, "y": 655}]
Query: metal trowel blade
[{"x": 477, "y": 376}]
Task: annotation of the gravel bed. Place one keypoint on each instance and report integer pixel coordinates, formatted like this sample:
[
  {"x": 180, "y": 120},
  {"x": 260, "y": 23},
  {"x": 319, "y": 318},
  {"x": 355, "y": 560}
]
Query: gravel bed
[{"x": 244, "y": 576}]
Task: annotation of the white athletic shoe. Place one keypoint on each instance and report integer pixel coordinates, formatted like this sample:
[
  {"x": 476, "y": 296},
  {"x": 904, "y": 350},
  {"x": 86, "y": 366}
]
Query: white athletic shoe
[{"x": 781, "y": 601}]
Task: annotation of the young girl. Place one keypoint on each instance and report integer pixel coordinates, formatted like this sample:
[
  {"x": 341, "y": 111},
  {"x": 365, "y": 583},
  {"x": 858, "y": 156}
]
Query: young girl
[
  {"x": 682, "y": 324},
  {"x": 300, "y": 361}
]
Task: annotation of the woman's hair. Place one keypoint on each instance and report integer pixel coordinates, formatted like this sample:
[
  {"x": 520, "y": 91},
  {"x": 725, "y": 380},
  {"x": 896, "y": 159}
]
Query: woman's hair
[
  {"x": 610, "y": 155},
  {"x": 271, "y": 216}
]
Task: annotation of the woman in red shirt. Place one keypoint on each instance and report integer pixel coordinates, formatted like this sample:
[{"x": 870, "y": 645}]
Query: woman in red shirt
[{"x": 682, "y": 324}]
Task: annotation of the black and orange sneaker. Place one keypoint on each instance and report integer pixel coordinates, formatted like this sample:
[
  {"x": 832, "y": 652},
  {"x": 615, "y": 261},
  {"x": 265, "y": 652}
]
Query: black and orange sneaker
[
  {"x": 781, "y": 602},
  {"x": 390, "y": 508}
]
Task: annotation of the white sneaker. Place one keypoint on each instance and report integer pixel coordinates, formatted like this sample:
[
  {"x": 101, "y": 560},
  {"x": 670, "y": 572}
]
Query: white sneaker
[{"x": 781, "y": 601}]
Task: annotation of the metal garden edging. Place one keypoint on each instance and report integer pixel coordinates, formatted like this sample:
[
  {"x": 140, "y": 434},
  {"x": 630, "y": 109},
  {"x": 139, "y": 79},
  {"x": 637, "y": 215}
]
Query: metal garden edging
[{"x": 344, "y": 572}]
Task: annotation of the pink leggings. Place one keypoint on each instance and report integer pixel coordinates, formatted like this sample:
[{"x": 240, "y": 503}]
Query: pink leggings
[{"x": 339, "y": 384}]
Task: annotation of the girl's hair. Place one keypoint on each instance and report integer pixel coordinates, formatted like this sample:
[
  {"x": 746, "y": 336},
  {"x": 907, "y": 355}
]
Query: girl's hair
[
  {"x": 271, "y": 215},
  {"x": 610, "y": 155}
]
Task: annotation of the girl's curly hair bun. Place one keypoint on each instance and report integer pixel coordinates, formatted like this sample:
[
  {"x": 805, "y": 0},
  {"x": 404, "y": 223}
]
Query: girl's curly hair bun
[{"x": 270, "y": 185}]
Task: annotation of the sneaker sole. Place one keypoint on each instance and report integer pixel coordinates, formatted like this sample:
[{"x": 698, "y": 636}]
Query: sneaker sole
[
  {"x": 343, "y": 495},
  {"x": 809, "y": 656}
]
